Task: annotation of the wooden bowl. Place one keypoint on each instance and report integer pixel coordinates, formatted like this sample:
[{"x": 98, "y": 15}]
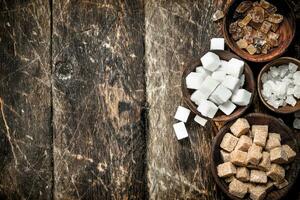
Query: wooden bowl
[
  {"x": 275, "y": 125},
  {"x": 280, "y": 61},
  {"x": 220, "y": 116},
  {"x": 286, "y": 30}
]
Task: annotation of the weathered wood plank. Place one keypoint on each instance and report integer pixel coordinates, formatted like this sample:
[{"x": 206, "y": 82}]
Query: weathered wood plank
[
  {"x": 26, "y": 143},
  {"x": 99, "y": 94}
]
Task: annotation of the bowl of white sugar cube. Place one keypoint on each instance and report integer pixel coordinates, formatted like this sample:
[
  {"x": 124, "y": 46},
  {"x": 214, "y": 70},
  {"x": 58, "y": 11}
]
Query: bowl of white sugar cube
[
  {"x": 218, "y": 86},
  {"x": 279, "y": 85},
  {"x": 255, "y": 157}
]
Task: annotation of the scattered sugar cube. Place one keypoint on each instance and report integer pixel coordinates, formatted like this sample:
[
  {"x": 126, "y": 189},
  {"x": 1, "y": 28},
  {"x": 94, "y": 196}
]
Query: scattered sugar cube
[
  {"x": 276, "y": 172},
  {"x": 254, "y": 154},
  {"x": 291, "y": 100},
  {"x": 241, "y": 97},
  {"x": 291, "y": 154},
  {"x": 228, "y": 107},
  {"x": 243, "y": 174},
  {"x": 221, "y": 94},
  {"x": 272, "y": 143},
  {"x": 238, "y": 158},
  {"x": 218, "y": 75},
  {"x": 226, "y": 169},
  {"x": 281, "y": 184},
  {"x": 207, "y": 108},
  {"x": 203, "y": 71},
  {"x": 206, "y": 88},
  {"x": 293, "y": 67},
  {"x": 182, "y": 114},
  {"x": 217, "y": 43},
  {"x": 257, "y": 176},
  {"x": 231, "y": 82},
  {"x": 238, "y": 188},
  {"x": 194, "y": 80},
  {"x": 229, "y": 142},
  {"x": 210, "y": 61},
  {"x": 244, "y": 143},
  {"x": 240, "y": 127},
  {"x": 225, "y": 156},
  {"x": 180, "y": 130},
  {"x": 278, "y": 155},
  {"x": 200, "y": 120},
  {"x": 236, "y": 67},
  {"x": 257, "y": 193},
  {"x": 260, "y": 133},
  {"x": 265, "y": 163}
]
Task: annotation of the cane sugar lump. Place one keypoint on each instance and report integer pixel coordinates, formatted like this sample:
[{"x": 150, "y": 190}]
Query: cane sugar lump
[
  {"x": 243, "y": 174},
  {"x": 278, "y": 155},
  {"x": 229, "y": 142},
  {"x": 260, "y": 133},
  {"x": 226, "y": 169},
  {"x": 254, "y": 154},
  {"x": 225, "y": 156},
  {"x": 257, "y": 176},
  {"x": 244, "y": 143},
  {"x": 257, "y": 193},
  {"x": 281, "y": 184},
  {"x": 265, "y": 163},
  {"x": 238, "y": 158},
  {"x": 240, "y": 127},
  {"x": 210, "y": 61},
  {"x": 276, "y": 172},
  {"x": 291, "y": 154},
  {"x": 238, "y": 188},
  {"x": 272, "y": 143}
]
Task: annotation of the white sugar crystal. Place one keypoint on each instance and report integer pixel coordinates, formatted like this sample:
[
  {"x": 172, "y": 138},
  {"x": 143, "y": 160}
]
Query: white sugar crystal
[
  {"x": 200, "y": 120},
  {"x": 291, "y": 100},
  {"x": 297, "y": 91},
  {"x": 296, "y": 123},
  {"x": 296, "y": 78},
  {"x": 180, "y": 130},
  {"x": 194, "y": 80},
  {"x": 274, "y": 72},
  {"x": 231, "y": 82},
  {"x": 242, "y": 80},
  {"x": 201, "y": 70},
  {"x": 290, "y": 91},
  {"x": 221, "y": 94},
  {"x": 283, "y": 70},
  {"x": 264, "y": 77},
  {"x": 275, "y": 102},
  {"x": 210, "y": 61},
  {"x": 227, "y": 107},
  {"x": 207, "y": 108},
  {"x": 182, "y": 114},
  {"x": 280, "y": 90},
  {"x": 241, "y": 97},
  {"x": 217, "y": 43},
  {"x": 218, "y": 75},
  {"x": 236, "y": 67},
  {"x": 293, "y": 67}
]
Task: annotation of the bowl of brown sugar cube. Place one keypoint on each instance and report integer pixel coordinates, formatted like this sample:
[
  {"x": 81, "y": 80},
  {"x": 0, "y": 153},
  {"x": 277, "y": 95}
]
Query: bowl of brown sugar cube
[
  {"x": 255, "y": 157},
  {"x": 259, "y": 31}
]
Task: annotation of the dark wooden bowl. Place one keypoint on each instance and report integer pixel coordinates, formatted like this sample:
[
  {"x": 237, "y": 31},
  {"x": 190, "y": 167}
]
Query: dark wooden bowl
[
  {"x": 284, "y": 109},
  {"x": 286, "y": 30},
  {"x": 275, "y": 125},
  {"x": 220, "y": 116}
]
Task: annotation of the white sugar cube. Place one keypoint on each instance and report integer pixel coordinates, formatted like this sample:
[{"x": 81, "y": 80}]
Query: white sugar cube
[
  {"x": 207, "y": 87},
  {"x": 242, "y": 80},
  {"x": 231, "y": 82},
  {"x": 227, "y": 107},
  {"x": 293, "y": 67},
  {"x": 297, "y": 91},
  {"x": 200, "y": 120},
  {"x": 296, "y": 77},
  {"x": 210, "y": 61},
  {"x": 198, "y": 96},
  {"x": 207, "y": 108},
  {"x": 224, "y": 66},
  {"x": 296, "y": 123},
  {"x": 182, "y": 114},
  {"x": 180, "y": 130},
  {"x": 203, "y": 71},
  {"x": 217, "y": 43},
  {"x": 221, "y": 94},
  {"x": 236, "y": 67},
  {"x": 218, "y": 75},
  {"x": 291, "y": 100},
  {"x": 194, "y": 80},
  {"x": 241, "y": 97}
]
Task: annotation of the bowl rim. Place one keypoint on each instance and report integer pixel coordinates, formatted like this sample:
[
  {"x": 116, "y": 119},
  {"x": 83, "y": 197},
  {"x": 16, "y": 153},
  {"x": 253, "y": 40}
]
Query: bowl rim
[
  {"x": 214, "y": 151},
  {"x": 262, "y": 58},
  {"x": 259, "y": 85},
  {"x": 223, "y": 118}
]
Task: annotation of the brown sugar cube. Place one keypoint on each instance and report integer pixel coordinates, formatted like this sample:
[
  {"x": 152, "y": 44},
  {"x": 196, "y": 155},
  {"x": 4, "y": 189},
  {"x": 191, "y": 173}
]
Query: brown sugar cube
[
  {"x": 238, "y": 188},
  {"x": 229, "y": 179},
  {"x": 265, "y": 163},
  {"x": 254, "y": 154},
  {"x": 229, "y": 142},
  {"x": 244, "y": 143},
  {"x": 281, "y": 184},
  {"x": 278, "y": 155},
  {"x": 242, "y": 43},
  {"x": 238, "y": 158},
  {"x": 226, "y": 169},
  {"x": 257, "y": 176},
  {"x": 277, "y": 135},
  {"x": 257, "y": 193},
  {"x": 276, "y": 173},
  {"x": 272, "y": 143},
  {"x": 269, "y": 186},
  {"x": 251, "y": 166},
  {"x": 240, "y": 127},
  {"x": 243, "y": 174},
  {"x": 291, "y": 154},
  {"x": 251, "y": 49},
  {"x": 225, "y": 156},
  {"x": 260, "y": 133}
]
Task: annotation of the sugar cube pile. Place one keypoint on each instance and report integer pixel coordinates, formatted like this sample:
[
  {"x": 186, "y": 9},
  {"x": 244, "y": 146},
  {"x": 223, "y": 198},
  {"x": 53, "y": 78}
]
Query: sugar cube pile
[
  {"x": 281, "y": 85},
  {"x": 218, "y": 84}
]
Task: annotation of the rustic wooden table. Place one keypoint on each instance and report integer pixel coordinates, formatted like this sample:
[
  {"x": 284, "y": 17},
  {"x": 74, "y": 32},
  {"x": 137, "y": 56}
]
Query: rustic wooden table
[{"x": 89, "y": 91}]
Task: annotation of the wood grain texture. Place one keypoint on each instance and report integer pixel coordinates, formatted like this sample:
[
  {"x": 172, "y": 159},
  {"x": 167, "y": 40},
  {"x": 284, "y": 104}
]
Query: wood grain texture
[
  {"x": 26, "y": 147},
  {"x": 98, "y": 99}
]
